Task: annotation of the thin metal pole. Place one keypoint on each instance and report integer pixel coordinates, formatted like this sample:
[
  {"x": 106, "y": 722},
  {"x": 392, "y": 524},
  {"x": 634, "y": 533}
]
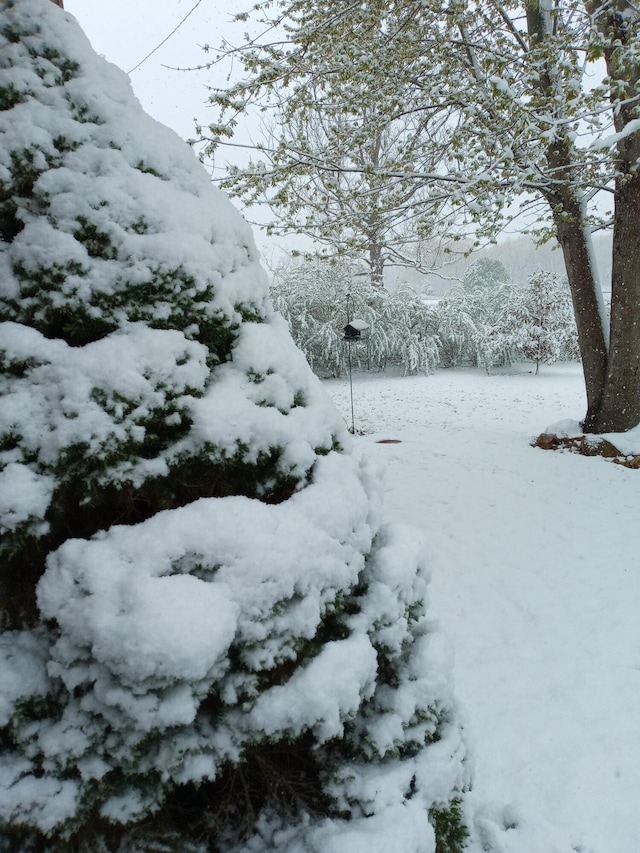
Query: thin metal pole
[{"x": 353, "y": 420}]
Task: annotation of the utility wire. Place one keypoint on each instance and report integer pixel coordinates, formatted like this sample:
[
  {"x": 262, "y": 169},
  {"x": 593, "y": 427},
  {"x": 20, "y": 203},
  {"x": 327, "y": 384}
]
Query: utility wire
[{"x": 173, "y": 31}]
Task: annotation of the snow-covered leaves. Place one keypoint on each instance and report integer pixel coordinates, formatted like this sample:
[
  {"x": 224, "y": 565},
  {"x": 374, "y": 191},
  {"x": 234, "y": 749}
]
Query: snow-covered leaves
[
  {"x": 540, "y": 325},
  {"x": 488, "y": 321},
  {"x": 315, "y": 299},
  {"x": 433, "y": 115}
]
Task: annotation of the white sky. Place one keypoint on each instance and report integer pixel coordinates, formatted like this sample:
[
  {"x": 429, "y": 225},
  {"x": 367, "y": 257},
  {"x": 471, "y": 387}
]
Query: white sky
[{"x": 125, "y": 32}]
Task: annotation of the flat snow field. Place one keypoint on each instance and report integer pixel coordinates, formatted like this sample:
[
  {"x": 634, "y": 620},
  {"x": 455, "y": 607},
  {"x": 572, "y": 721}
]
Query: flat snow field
[{"x": 536, "y": 582}]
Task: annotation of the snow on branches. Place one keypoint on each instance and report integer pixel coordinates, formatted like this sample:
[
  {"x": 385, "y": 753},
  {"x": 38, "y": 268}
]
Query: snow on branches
[
  {"x": 313, "y": 298},
  {"x": 484, "y": 321}
]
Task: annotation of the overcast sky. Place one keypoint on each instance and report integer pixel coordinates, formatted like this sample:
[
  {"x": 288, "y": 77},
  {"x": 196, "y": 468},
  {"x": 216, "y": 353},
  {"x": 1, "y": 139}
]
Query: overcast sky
[{"x": 125, "y": 32}]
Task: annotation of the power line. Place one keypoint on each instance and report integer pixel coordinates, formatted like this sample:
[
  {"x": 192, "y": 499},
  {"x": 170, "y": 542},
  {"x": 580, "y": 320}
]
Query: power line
[{"x": 164, "y": 40}]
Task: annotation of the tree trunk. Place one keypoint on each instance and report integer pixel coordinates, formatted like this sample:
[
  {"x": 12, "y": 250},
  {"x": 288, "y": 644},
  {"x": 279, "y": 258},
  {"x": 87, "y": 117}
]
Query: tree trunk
[
  {"x": 620, "y": 408},
  {"x": 376, "y": 263},
  {"x": 574, "y": 238},
  {"x": 572, "y": 231},
  {"x": 575, "y": 242}
]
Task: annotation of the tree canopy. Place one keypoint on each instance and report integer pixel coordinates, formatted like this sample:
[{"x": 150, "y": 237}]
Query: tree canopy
[
  {"x": 521, "y": 107},
  {"x": 329, "y": 158}
]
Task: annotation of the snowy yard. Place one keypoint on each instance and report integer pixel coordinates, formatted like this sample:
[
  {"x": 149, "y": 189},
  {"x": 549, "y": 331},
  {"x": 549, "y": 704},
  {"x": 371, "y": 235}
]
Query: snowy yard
[
  {"x": 536, "y": 579},
  {"x": 210, "y": 638}
]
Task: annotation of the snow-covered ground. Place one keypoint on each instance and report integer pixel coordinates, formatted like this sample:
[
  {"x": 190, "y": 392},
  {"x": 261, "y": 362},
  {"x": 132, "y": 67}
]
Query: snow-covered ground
[{"x": 536, "y": 580}]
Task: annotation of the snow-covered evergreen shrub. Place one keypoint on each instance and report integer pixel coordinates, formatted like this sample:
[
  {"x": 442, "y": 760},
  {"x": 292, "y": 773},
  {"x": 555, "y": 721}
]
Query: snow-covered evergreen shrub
[
  {"x": 209, "y": 639},
  {"x": 313, "y": 299},
  {"x": 540, "y": 325},
  {"x": 485, "y": 274}
]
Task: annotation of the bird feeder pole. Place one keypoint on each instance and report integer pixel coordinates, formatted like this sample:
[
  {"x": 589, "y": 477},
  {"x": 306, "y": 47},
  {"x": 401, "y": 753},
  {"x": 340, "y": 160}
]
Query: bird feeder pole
[
  {"x": 354, "y": 332},
  {"x": 353, "y": 419}
]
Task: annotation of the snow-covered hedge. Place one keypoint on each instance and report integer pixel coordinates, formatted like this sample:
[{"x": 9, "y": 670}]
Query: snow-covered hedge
[
  {"x": 210, "y": 640},
  {"x": 486, "y": 321},
  {"x": 312, "y": 298},
  {"x": 466, "y": 320}
]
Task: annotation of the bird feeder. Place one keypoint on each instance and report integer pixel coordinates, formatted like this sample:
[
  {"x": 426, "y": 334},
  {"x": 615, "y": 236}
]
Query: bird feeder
[{"x": 356, "y": 330}]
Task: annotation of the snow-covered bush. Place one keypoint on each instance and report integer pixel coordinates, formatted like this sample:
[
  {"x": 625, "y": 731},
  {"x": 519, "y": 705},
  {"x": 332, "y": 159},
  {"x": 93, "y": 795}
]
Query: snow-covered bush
[
  {"x": 209, "y": 639},
  {"x": 313, "y": 299},
  {"x": 485, "y": 274},
  {"x": 488, "y": 322},
  {"x": 540, "y": 323},
  {"x": 467, "y": 319},
  {"x": 456, "y": 329}
]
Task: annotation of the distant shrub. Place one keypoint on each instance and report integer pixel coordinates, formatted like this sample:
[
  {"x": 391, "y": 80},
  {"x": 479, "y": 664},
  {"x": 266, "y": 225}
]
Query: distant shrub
[
  {"x": 538, "y": 324},
  {"x": 466, "y": 323},
  {"x": 313, "y": 300},
  {"x": 487, "y": 321}
]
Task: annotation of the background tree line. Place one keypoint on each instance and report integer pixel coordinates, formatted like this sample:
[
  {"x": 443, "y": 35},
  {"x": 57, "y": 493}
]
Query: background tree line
[{"x": 484, "y": 321}]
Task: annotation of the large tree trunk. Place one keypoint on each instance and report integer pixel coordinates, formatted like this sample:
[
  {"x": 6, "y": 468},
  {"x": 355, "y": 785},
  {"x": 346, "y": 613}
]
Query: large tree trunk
[
  {"x": 574, "y": 237},
  {"x": 573, "y": 233},
  {"x": 575, "y": 242},
  {"x": 620, "y": 409}
]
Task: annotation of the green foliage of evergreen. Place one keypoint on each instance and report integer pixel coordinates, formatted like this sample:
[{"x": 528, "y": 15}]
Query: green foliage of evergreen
[{"x": 450, "y": 828}]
